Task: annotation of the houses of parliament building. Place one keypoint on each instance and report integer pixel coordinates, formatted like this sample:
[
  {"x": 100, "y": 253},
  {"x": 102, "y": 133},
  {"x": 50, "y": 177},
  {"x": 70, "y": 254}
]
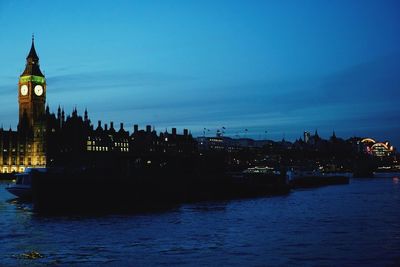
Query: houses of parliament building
[{"x": 45, "y": 139}]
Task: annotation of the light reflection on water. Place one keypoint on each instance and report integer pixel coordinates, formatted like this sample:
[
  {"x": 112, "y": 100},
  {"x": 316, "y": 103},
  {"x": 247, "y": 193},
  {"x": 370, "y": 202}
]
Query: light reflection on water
[{"x": 355, "y": 224}]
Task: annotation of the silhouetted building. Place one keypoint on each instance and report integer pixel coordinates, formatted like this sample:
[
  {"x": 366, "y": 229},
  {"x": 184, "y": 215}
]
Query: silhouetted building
[{"x": 47, "y": 139}]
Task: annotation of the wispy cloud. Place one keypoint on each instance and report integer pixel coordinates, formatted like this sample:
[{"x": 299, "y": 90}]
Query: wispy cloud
[{"x": 112, "y": 79}]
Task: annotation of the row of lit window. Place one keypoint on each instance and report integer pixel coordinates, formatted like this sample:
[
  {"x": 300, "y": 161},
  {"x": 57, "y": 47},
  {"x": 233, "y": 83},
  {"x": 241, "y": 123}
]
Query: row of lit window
[
  {"x": 105, "y": 149},
  {"x": 21, "y": 162},
  {"x": 94, "y": 138},
  {"x": 97, "y": 148},
  {"x": 115, "y": 144},
  {"x": 121, "y": 144},
  {"x": 21, "y": 151},
  {"x": 12, "y": 169}
]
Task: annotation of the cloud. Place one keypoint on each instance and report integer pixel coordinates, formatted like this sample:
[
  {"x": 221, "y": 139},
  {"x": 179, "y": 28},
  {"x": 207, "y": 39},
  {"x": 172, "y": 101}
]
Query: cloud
[{"x": 109, "y": 80}]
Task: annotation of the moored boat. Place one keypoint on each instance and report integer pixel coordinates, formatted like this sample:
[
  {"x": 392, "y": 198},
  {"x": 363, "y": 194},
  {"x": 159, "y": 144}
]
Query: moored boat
[
  {"x": 313, "y": 178},
  {"x": 260, "y": 181},
  {"x": 22, "y": 188}
]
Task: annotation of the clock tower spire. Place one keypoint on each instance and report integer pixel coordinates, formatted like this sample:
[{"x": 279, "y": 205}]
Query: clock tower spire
[{"x": 32, "y": 89}]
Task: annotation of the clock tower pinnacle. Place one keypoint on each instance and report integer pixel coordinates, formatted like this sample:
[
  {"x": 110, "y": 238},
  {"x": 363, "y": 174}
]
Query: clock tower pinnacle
[{"x": 32, "y": 90}]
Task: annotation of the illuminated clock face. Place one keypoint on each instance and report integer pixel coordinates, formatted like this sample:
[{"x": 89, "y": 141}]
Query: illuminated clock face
[
  {"x": 39, "y": 90},
  {"x": 24, "y": 89}
]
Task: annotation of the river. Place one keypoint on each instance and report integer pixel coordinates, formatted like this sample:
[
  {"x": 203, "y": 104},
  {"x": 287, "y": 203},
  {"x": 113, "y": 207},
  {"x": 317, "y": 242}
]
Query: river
[{"x": 344, "y": 225}]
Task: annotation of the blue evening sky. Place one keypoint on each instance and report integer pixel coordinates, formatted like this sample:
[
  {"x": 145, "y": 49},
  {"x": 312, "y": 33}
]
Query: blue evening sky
[{"x": 276, "y": 68}]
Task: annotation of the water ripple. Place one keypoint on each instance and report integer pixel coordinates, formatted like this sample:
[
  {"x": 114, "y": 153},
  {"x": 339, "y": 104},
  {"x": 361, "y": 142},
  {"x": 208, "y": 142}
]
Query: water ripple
[{"x": 355, "y": 224}]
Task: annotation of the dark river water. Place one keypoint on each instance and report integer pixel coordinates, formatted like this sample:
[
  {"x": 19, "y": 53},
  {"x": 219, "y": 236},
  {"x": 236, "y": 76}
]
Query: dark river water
[{"x": 345, "y": 225}]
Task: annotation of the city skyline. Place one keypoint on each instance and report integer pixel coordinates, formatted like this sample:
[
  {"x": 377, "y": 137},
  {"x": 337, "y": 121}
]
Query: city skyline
[{"x": 209, "y": 65}]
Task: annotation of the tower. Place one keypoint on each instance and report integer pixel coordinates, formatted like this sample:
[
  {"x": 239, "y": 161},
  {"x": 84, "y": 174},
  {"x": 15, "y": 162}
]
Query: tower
[
  {"x": 31, "y": 91},
  {"x": 307, "y": 136},
  {"x": 32, "y": 100}
]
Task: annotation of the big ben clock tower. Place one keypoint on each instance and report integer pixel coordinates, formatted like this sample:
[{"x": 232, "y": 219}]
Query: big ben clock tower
[
  {"x": 32, "y": 100},
  {"x": 32, "y": 90}
]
